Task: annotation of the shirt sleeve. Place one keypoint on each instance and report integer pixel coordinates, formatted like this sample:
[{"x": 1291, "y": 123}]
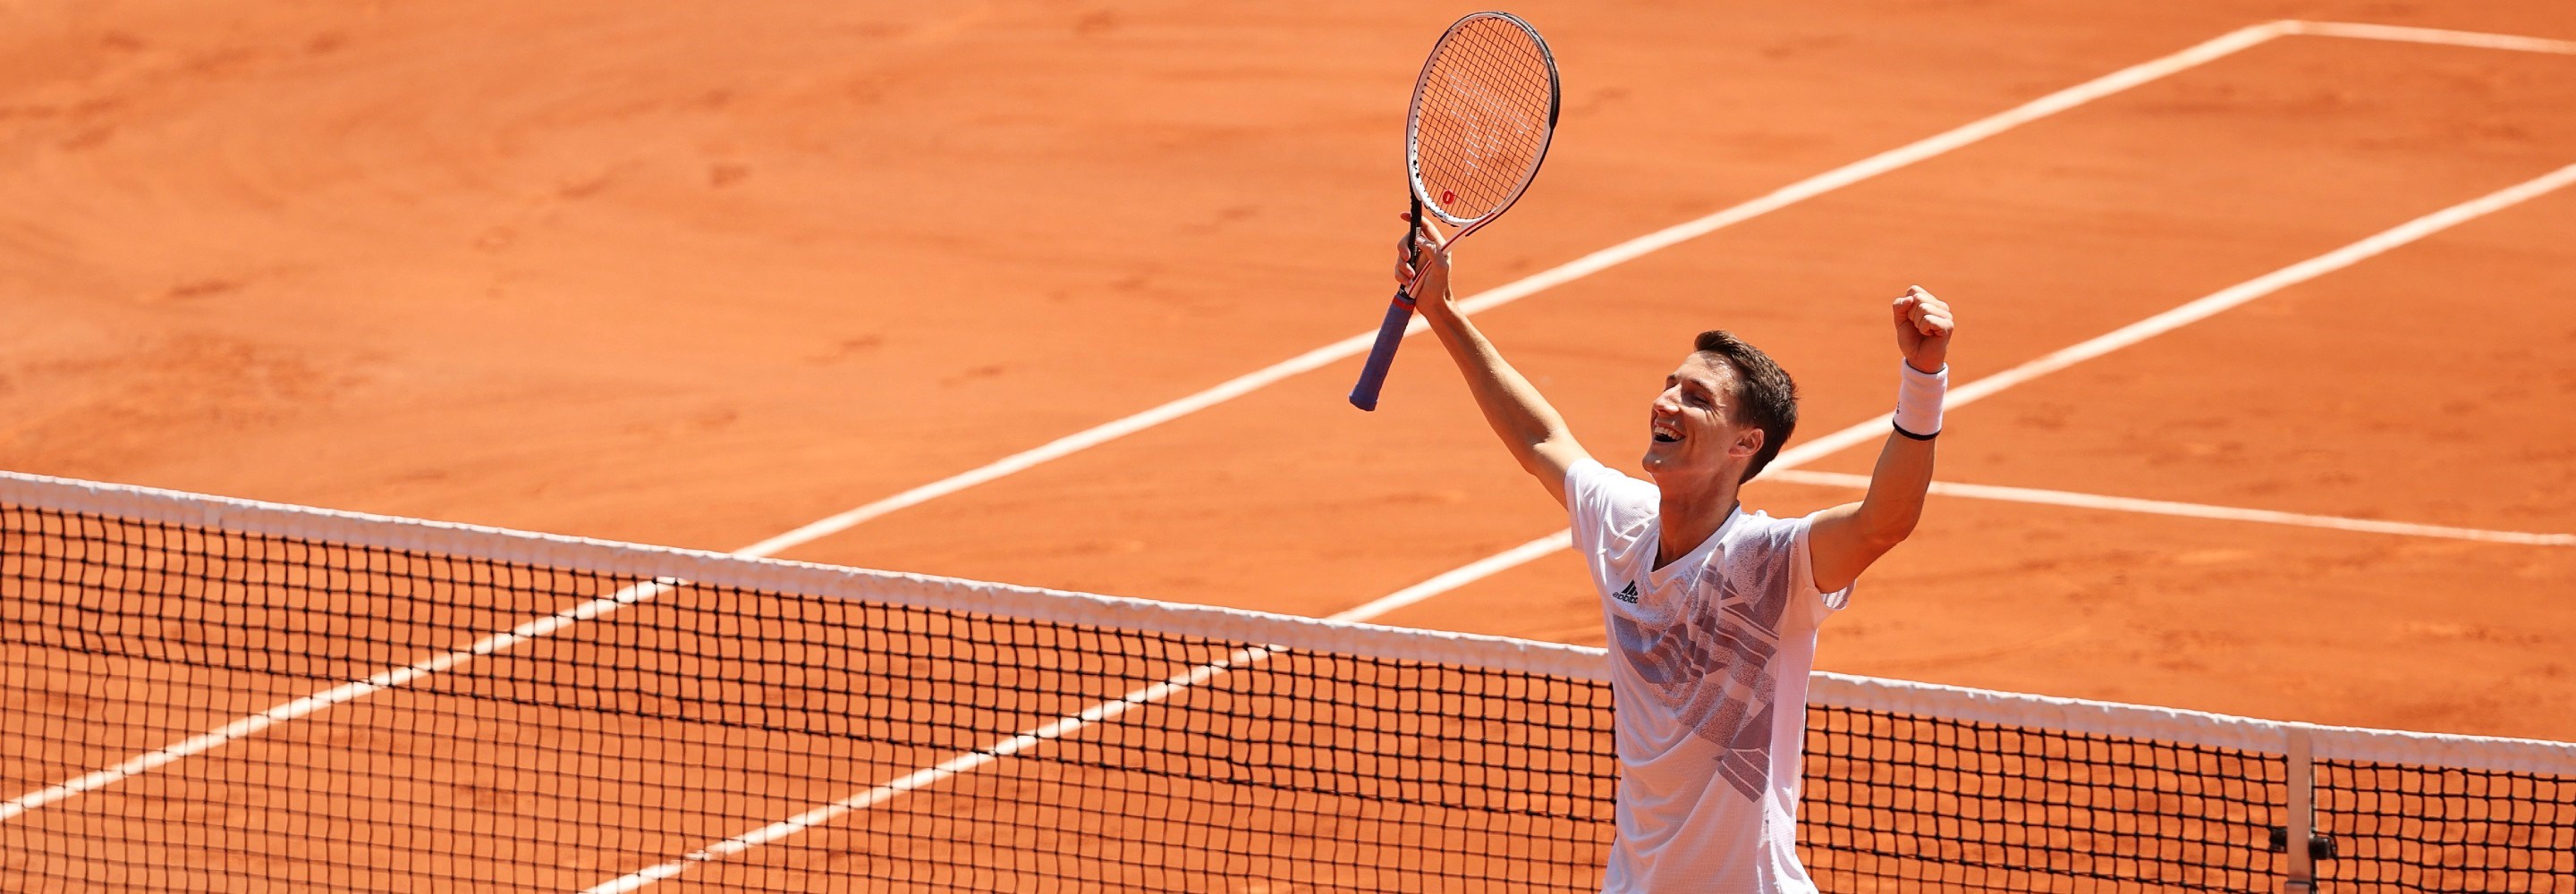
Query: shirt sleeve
[
  {"x": 1585, "y": 482},
  {"x": 1601, "y": 506},
  {"x": 1802, "y": 569}
]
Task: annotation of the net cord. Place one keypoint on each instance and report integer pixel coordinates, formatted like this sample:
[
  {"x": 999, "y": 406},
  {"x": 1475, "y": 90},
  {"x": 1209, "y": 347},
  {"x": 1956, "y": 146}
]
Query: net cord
[
  {"x": 618, "y": 559},
  {"x": 2330, "y": 743},
  {"x": 2117, "y": 719}
]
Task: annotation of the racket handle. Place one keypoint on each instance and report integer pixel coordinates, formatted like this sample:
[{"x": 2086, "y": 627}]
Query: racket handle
[{"x": 1399, "y": 314}]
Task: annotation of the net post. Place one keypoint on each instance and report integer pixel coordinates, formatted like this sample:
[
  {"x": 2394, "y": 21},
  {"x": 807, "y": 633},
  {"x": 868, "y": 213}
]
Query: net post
[{"x": 2300, "y": 877}]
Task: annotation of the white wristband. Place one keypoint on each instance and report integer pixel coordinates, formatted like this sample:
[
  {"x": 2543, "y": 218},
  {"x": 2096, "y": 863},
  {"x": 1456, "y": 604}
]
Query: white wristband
[{"x": 1918, "y": 399}]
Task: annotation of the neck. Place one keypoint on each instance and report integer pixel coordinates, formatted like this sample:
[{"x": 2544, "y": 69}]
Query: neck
[{"x": 1690, "y": 515}]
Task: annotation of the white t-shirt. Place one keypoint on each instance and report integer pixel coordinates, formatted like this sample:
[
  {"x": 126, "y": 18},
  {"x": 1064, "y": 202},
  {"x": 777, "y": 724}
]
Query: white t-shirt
[{"x": 1708, "y": 669}]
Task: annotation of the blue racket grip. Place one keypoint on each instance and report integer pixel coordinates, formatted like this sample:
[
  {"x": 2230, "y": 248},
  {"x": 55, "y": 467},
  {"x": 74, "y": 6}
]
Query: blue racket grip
[{"x": 1399, "y": 313}]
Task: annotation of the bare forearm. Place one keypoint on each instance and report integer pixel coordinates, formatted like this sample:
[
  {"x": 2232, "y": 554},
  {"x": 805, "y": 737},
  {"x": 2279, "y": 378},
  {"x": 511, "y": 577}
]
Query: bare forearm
[
  {"x": 1518, "y": 414},
  {"x": 1532, "y": 429},
  {"x": 1896, "y": 489}
]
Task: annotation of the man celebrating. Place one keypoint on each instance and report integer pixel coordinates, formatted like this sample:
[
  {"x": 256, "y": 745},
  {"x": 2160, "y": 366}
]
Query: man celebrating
[{"x": 1712, "y": 612}]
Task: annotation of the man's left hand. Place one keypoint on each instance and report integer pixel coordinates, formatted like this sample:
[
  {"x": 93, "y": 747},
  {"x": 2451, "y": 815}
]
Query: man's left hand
[{"x": 1923, "y": 327}]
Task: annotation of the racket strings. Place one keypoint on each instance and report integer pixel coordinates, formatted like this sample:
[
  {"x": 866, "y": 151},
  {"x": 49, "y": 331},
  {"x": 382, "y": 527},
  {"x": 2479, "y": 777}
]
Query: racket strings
[{"x": 1481, "y": 124}]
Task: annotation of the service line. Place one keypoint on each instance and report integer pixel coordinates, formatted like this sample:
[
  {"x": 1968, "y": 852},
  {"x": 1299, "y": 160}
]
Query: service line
[{"x": 2182, "y": 510}]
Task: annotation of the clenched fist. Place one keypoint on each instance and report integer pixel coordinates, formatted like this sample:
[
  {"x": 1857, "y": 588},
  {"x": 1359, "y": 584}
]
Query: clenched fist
[{"x": 1923, "y": 327}]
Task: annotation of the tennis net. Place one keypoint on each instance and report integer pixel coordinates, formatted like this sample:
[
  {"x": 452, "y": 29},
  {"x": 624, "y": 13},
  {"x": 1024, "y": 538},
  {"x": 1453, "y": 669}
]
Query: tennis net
[{"x": 205, "y": 694}]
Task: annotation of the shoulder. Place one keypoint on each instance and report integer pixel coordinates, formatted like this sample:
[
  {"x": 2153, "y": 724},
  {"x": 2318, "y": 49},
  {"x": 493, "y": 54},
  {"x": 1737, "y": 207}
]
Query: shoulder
[
  {"x": 1589, "y": 484},
  {"x": 1759, "y": 538},
  {"x": 1780, "y": 545},
  {"x": 1759, "y": 530}
]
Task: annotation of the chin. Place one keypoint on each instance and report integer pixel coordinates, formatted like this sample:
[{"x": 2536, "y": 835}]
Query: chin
[
  {"x": 1658, "y": 461},
  {"x": 1676, "y": 468}
]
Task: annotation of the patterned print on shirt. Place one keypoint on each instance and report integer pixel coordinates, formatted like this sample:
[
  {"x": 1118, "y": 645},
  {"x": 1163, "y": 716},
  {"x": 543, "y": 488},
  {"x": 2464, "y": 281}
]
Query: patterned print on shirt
[{"x": 1712, "y": 664}]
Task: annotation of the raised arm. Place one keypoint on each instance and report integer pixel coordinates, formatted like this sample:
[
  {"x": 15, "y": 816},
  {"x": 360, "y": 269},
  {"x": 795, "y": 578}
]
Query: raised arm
[
  {"x": 1847, "y": 538},
  {"x": 1531, "y": 429}
]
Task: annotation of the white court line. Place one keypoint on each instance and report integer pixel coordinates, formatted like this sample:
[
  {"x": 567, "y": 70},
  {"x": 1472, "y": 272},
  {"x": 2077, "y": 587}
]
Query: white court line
[
  {"x": 1928, "y": 147},
  {"x": 2185, "y": 510},
  {"x": 2221, "y": 46},
  {"x": 963, "y": 763},
  {"x": 973, "y": 760},
  {"x": 1809, "y": 188},
  {"x": 246, "y": 726},
  {"x": 2224, "y": 45},
  {"x": 2199, "y": 310},
  {"x": 2404, "y": 34}
]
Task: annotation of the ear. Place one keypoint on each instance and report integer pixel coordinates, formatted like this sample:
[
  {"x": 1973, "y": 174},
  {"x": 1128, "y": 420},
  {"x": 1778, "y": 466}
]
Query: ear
[{"x": 1748, "y": 443}]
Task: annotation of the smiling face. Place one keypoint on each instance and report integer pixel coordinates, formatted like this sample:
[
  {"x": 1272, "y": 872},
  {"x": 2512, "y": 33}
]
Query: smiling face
[{"x": 1696, "y": 440}]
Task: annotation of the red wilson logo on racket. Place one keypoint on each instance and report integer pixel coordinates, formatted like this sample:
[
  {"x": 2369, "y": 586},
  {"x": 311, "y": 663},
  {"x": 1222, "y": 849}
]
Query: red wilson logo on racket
[{"x": 1447, "y": 197}]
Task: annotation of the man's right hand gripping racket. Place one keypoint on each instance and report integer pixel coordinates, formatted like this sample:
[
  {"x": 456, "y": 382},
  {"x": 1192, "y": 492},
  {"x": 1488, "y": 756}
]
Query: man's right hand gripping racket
[{"x": 1483, "y": 110}]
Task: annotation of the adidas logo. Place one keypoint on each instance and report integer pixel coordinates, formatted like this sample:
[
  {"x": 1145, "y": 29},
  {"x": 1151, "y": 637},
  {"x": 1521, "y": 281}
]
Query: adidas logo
[{"x": 1627, "y": 594}]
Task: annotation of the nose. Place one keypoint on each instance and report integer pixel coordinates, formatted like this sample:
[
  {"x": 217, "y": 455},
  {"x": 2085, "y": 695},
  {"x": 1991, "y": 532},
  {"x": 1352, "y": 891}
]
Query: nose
[{"x": 1669, "y": 402}]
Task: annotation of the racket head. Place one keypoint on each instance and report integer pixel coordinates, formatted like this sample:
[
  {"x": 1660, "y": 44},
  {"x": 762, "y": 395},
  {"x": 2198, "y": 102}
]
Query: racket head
[{"x": 1483, "y": 112}]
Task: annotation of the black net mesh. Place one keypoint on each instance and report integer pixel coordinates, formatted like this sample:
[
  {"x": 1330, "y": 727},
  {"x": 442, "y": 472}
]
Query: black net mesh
[
  {"x": 698, "y": 714},
  {"x": 737, "y": 739},
  {"x": 1897, "y": 802},
  {"x": 2397, "y": 827}
]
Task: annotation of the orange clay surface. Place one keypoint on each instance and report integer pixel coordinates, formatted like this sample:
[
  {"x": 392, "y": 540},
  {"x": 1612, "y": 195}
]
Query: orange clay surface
[{"x": 699, "y": 274}]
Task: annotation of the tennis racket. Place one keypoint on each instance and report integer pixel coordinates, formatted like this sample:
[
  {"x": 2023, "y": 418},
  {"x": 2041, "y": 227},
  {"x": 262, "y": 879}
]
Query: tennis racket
[{"x": 1483, "y": 111}]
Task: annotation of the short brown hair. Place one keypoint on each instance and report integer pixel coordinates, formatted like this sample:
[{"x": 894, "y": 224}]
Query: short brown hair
[{"x": 1764, "y": 396}]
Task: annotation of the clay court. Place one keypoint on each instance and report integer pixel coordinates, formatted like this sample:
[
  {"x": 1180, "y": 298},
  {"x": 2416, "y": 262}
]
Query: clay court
[{"x": 700, "y": 277}]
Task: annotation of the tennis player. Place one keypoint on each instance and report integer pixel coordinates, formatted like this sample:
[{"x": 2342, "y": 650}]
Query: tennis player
[{"x": 1712, "y": 611}]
